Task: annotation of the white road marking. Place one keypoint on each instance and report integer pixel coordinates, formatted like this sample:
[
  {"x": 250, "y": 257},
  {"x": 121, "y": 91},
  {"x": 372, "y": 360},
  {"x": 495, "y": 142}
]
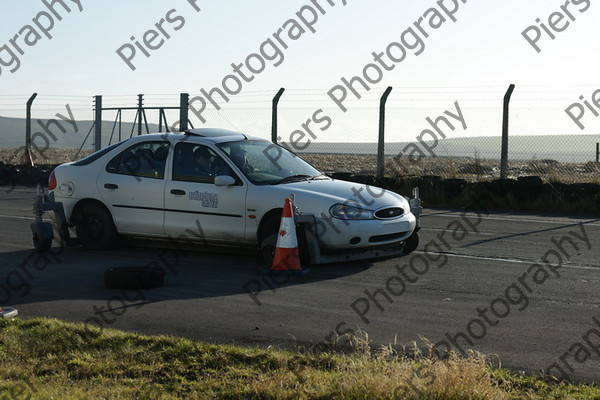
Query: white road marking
[
  {"x": 506, "y": 260},
  {"x": 440, "y": 229},
  {"x": 17, "y": 217},
  {"x": 543, "y": 221}
]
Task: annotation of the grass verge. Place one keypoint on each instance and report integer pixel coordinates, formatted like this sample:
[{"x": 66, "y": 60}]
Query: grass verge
[{"x": 46, "y": 358}]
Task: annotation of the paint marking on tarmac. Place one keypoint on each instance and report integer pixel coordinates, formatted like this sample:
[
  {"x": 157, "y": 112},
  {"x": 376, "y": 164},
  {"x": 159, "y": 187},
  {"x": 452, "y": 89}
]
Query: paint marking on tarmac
[
  {"x": 506, "y": 260},
  {"x": 592, "y": 222},
  {"x": 438, "y": 229},
  {"x": 17, "y": 217}
]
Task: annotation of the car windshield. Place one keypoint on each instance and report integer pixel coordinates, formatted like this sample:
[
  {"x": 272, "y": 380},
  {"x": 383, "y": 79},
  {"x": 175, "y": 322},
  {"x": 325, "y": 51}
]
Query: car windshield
[{"x": 265, "y": 163}]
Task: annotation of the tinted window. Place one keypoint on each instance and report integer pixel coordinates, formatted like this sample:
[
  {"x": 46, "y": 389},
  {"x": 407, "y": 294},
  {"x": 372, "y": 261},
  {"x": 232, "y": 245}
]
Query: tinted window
[
  {"x": 197, "y": 163},
  {"x": 146, "y": 159}
]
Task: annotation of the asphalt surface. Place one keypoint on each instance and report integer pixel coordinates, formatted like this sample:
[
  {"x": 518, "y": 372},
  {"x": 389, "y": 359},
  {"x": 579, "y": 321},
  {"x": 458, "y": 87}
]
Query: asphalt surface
[{"x": 524, "y": 288}]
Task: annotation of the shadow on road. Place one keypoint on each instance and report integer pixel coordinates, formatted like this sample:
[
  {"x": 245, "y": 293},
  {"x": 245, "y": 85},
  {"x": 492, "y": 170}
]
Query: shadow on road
[{"x": 78, "y": 274}]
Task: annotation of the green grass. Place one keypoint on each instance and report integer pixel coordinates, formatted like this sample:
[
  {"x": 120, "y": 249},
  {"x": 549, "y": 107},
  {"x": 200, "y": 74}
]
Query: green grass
[{"x": 44, "y": 358}]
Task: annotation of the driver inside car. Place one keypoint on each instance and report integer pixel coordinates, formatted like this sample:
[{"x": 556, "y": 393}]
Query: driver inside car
[
  {"x": 202, "y": 165},
  {"x": 238, "y": 155}
]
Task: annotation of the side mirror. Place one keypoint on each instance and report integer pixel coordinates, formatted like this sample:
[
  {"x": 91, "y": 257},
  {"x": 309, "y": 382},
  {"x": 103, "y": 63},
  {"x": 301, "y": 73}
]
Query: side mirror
[{"x": 224, "y": 180}]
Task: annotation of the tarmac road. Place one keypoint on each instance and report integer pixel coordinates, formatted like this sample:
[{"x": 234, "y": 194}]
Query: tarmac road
[{"x": 522, "y": 287}]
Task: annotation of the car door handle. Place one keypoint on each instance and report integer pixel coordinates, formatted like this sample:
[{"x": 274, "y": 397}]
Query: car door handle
[
  {"x": 177, "y": 191},
  {"x": 110, "y": 186}
]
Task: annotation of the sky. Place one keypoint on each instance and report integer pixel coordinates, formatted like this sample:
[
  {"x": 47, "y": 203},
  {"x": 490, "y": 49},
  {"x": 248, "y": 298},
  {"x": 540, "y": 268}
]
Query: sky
[{"x": 470, "y": 61}]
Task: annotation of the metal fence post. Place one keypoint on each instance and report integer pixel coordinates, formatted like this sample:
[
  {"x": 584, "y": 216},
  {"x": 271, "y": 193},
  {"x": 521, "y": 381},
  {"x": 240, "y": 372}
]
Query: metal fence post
[
  {"x": 140, "y": 112},
  {"x": 184, "y": 104},
  {"x": 381, "y": 141},
  {"x": 504, "y": 152},
  {"x": 597, "y": 152},
  {"x": 274, "y": 115},
  {"x": 98, "y": 123},
  {"x": 28, "y": 123}
]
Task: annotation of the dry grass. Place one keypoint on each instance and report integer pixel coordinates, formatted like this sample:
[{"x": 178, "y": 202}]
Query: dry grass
[
  {"x": 48, "y": 157},
  {"x": 45, "y": 359},
  {"x": 473, "y": 170}
]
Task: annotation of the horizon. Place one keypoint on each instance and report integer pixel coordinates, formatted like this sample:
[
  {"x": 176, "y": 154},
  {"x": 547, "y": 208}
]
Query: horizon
[{"x": 578, "y": 148}]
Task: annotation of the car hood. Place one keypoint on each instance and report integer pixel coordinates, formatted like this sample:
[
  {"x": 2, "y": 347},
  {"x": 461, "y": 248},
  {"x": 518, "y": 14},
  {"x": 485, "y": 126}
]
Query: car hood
[{"x": 319, "y": 195}]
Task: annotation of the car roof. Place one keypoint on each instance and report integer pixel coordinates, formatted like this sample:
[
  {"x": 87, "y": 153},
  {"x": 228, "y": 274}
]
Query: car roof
[{"x": 206, "y": 134}]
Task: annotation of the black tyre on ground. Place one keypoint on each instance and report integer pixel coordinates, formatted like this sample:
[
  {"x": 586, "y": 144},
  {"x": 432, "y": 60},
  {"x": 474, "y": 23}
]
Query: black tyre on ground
[
  {"x": 269, "y": 242},
  {"x": 94, "y": 227},
  {"x": 267, "y": 249},
  {"x": 41, "y": 245},
  {"x": 411, "y": 243},
  {"x": 269, "y": 239},
  {"x": 143, "y": 277},
  {"x": 43, "y": 234}
]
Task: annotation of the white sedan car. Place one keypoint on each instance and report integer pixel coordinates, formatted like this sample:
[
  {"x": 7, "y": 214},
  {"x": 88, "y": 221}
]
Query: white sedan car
[{"x": 224, "y": 188}]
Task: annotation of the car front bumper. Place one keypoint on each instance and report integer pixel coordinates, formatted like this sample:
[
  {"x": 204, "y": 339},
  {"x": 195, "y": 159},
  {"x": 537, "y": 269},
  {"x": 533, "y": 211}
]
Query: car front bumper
[{"x": 336, "y": 234}]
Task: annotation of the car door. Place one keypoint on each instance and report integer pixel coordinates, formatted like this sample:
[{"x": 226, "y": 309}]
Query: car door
[
  {"x": 198, "y": 209},
  {"x": 133, "y": 187}
]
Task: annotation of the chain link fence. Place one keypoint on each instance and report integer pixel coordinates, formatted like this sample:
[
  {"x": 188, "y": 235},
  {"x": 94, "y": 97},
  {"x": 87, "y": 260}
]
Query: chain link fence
[{"x": 452, "y": 132}]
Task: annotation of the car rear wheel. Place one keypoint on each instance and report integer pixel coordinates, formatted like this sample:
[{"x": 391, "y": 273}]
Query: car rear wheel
[{"x": 94, "y": 227}]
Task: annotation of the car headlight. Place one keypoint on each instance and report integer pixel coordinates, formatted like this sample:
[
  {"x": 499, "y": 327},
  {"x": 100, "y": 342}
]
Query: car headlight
[{"x": 345, "y": 211}]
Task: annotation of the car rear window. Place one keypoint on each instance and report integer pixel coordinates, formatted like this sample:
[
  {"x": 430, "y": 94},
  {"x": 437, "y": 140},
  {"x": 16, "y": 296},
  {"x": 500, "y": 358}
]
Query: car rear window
[{"x": 94, "y": 156}]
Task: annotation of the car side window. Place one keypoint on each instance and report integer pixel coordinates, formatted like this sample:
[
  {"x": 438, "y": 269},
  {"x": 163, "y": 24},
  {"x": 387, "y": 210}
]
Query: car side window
[
  {"x": 146, "y": 159},
  {"x": 198, "y": 163}
]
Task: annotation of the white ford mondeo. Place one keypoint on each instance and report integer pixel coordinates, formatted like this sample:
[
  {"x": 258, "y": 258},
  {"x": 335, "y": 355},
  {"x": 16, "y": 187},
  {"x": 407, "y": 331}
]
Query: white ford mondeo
[{"x": 228, "y": 189}]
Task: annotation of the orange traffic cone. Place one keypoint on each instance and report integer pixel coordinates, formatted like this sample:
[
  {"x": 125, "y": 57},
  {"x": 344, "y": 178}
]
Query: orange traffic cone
[{"x": 287, "y": 255}]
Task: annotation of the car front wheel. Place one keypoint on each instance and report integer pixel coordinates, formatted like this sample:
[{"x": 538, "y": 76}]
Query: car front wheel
[
  {"x": 94, "y": 227},
  {"x": 411, "y": 243},
  {"x": 268, "y": 246}
]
